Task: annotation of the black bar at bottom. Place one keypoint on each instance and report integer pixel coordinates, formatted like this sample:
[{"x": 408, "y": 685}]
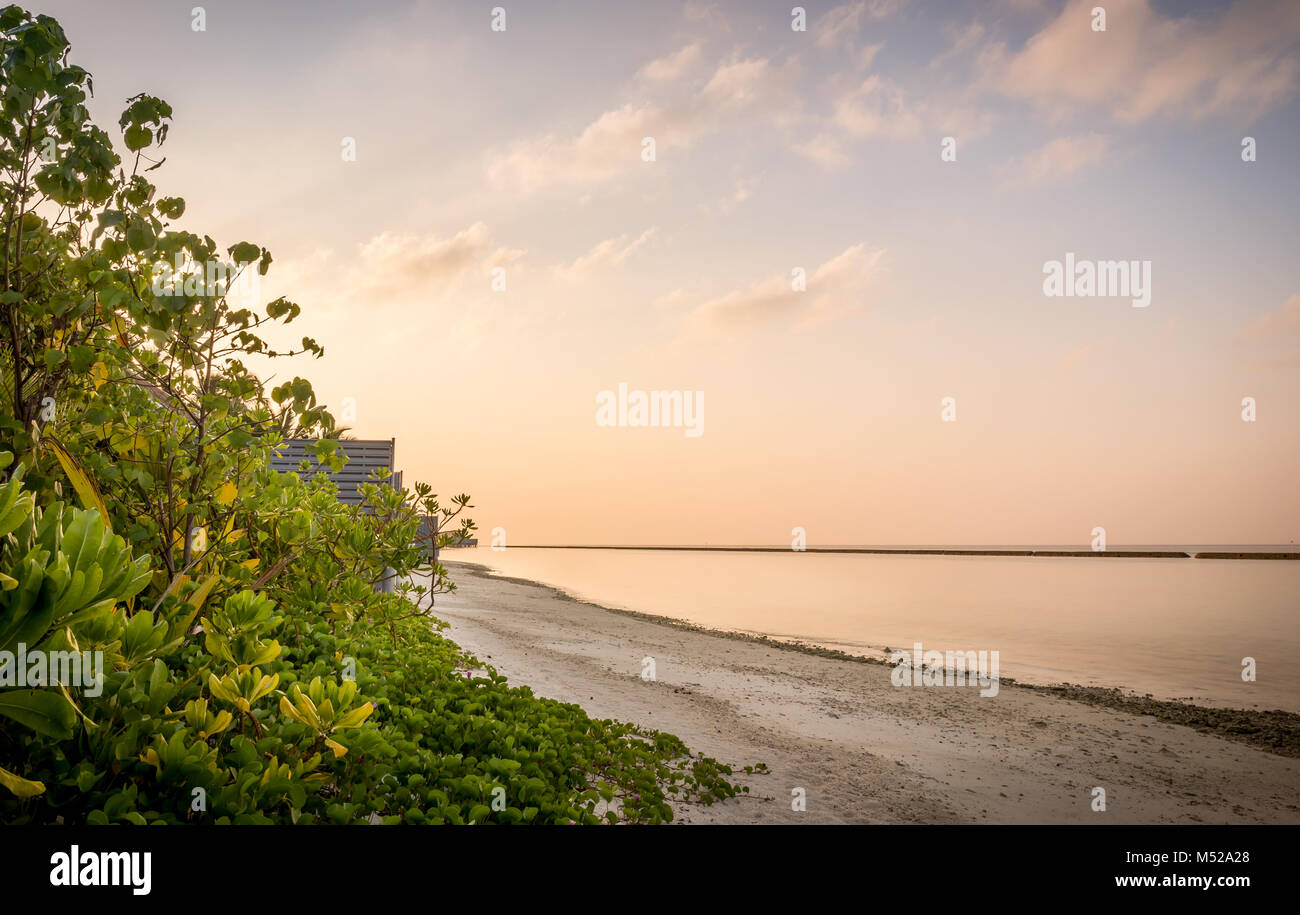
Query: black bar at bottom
[{"x": 980, "y": 864}]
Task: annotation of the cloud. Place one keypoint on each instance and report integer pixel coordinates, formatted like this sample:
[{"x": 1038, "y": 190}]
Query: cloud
[
  {"x": 397, "y": 267},
  {"x": 706, "y": 15},
  {"x": 964, "y": 40},
  {"x": 868, "y": 54},
  {"x": 880, "y": 107},
  {"x": 877, "y": 106},
  {"x": 1240, "y": 64},
  {"x": 609, "y": 253},
  {"x": 407, "y": 259},
  {"x": 670, "y": 300},
  {"x": 612, "y": 144},
  {"x": 825, "y": 150},
  {"x": 1278, "y": 324},
  {"x": 606, "y": 147},
  {"x": 674, "y": 66},
  {"x": 1056, "y": 160},
  {"x": 745, "y": 83},
  {"x": 835, "y": 288},
  {"x": 841, "y": 24}
]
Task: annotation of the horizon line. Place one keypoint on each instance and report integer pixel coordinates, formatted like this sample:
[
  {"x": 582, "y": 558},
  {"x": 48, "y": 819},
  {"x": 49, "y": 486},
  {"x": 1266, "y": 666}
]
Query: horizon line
[{"x": 1132, "y": 552}]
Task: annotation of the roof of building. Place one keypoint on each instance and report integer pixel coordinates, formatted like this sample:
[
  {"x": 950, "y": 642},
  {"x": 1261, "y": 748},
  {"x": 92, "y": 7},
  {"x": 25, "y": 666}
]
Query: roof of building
[{"x": 365, "y": 456}]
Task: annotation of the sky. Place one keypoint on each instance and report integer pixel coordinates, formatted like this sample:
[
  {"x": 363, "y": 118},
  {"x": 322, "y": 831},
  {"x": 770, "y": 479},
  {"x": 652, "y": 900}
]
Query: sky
[{"x": 918, "y": 164}]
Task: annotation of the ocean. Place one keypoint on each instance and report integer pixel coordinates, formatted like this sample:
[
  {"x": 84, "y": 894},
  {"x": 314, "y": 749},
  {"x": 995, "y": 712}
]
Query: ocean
[{"x": 1174, "y": 628}]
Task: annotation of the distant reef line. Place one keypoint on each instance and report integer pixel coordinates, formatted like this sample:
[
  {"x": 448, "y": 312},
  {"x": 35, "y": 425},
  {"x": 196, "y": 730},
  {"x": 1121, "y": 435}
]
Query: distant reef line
[{"x": 1107, "y": 554}]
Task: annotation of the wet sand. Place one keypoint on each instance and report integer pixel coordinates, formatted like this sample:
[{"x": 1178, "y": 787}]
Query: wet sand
[{"x": 861, "y": 749}]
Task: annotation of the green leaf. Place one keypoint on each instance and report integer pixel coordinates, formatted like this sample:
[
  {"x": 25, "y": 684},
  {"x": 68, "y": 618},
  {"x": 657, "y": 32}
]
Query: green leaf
[
  {"x": 44, "y": 711},
  {"x": 171, "y": 207},
  {"x": 140, "y": 236},
  {"x": 138, "y": 137},
  {"x": 81, "y": 358},
  {"x": 245, "y": 252},
  {"x": 110, "y": 296},
  {"x": 19, "y": 785}
]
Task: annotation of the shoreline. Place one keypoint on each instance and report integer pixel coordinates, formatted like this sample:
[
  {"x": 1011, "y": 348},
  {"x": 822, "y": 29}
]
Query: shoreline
[
  {"x": 1272, "y": 730},
  {"x": 1284, "y": 555},
  {"x": 831, "y": 721}
]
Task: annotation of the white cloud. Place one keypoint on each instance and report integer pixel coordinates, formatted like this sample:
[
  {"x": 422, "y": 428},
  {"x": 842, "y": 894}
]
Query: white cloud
[
  {"x": 841, "y": 24},
  {"x": 877, "y": 106},
  {"x": 738, "y": 90},
  {"x": 835, "y": 288},
  {"x": 1239, "y": 64},
  {"x": 606, "y": 147},
  {"x": 1056, "y": 160},
  {"x": 397, "y": 267},
  {"x": 964, "y": 40},
  {"x": 1281, "y": 323},
  {"x": 867, "y": 55},
  {"x": 749, "y": 82},
  {"x": 608, "y": 253},
  {"x": 706, "y": 15},
  {"x": 674, "y": 66},
  {"x": 824, "y": 150}
]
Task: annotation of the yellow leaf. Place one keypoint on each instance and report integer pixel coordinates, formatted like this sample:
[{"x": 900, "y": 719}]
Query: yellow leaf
[
  {"x": 67, "y": 695},
  {"x": 307, "y": 709},
  {"x": 268, "y": 681},
  {"x": 226, "y": 493},
  {"x": 288, "y": 709},
  {"x": 219, "y": 689},
  {"x": 354, "y": 718},
  {"x": 196, "y": 600},
  {"x": 98, "y": 374},
  {"x": 337, "y": 747},
  {"x": 20, "y": 786},
  {"x": 87, "y": 491},
  {"x": 121, "y": 331},
  {"x": 201, "y": 593}
]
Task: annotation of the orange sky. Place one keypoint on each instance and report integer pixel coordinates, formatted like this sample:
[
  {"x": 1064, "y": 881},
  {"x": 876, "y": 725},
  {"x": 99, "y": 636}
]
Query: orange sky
[{"x": 775, "y": 151}]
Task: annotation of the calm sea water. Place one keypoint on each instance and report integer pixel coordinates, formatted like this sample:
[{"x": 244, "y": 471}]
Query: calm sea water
[{"x": 1175, "y": 628}]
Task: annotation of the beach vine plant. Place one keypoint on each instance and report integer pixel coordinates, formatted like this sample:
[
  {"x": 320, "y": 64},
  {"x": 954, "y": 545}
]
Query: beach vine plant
[{"x": 268, "y": 653}]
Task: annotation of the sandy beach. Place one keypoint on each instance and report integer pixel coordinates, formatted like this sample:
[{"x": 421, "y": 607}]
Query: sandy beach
[{"x": 862, "y": 750}]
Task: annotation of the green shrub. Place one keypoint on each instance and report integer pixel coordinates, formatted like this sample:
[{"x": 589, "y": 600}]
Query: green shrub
[
  {"x": 233, "y": 727},
  {"x": 254, "y": 667}
]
